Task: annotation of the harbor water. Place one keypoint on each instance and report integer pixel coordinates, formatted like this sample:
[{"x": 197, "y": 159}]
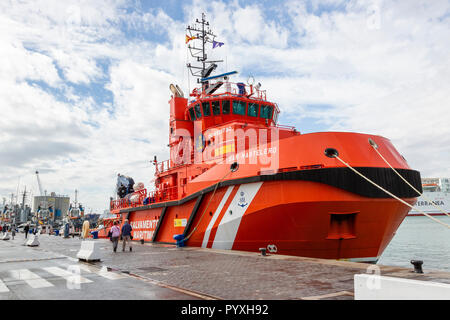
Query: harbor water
[{"x": 420, "y": 238}]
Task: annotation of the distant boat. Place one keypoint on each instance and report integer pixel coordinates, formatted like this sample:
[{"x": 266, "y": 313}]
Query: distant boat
[{"x": 435, "y": 191}]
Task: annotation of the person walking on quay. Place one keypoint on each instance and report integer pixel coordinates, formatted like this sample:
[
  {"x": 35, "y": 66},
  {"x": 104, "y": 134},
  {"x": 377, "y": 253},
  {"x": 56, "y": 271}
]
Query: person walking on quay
[
  {"x": 126, "y": 235},
  {"x": 85, "y": 230},
  {"x": 115, "y": 234},
  {"x": 26, "y": 229},
  {"x": 13, "y": 231}
]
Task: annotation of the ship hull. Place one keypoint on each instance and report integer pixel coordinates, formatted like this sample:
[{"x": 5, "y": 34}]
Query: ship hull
[
  {"x": 299, "y": 218},
  {"x": 301, "y": 203}
]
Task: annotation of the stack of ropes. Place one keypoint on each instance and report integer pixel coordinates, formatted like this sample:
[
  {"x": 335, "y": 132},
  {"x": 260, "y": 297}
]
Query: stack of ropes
[{"x": 375, "y": 147}]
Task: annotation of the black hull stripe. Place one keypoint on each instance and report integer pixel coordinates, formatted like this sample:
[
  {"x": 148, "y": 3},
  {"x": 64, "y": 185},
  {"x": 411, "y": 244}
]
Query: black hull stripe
[
  {"x": 341, "y": 177},
  {"x": 193, "y": 213},
  {"x": 158, "y": 226}
]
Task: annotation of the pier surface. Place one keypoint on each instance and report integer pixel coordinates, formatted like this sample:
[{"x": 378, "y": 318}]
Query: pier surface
[{"x": 155, "y": 271}]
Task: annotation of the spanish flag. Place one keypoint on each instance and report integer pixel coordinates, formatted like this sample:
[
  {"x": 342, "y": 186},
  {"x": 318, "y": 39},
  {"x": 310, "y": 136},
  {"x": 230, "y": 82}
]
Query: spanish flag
[{"x": 189, "y": 38}]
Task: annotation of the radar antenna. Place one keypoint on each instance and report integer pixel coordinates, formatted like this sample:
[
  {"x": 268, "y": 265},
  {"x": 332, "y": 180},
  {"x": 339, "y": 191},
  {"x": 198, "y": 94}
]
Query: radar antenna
[{"x": 201, "y": 31}]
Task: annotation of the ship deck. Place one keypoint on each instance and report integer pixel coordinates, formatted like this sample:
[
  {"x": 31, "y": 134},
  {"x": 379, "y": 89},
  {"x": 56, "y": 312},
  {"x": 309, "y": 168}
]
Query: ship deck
[{"x": 232, "y": 275}]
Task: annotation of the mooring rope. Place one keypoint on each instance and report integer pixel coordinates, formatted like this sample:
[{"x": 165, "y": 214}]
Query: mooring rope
[
  {"x": 389, "y": 193},
  {"x": 375, "y": 147}
]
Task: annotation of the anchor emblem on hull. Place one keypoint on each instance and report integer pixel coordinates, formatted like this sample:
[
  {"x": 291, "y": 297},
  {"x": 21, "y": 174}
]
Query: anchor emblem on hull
[
  {"x": 272, "y": 248},
  {"x": 242, "y": 203}
]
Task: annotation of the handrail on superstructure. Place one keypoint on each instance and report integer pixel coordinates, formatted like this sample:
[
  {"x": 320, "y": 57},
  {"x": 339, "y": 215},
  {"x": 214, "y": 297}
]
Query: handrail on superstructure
[
  {"x": 167, "y": 165},
  {"x": 143, "y": 197},
  {"x": 200, "y": 93}
]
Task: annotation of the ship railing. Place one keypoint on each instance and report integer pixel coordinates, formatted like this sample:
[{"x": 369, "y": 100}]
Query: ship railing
[
  {"x": 134, "y": 199},
  {"x": 281, "y": 126},
  {"x": 162, "y": 166},
  {"x": 143, "y": 197},
  {"x": 161, "y": 195},
  {"x": 237, "y": 89},
  {"x": 166, "y": 165}
]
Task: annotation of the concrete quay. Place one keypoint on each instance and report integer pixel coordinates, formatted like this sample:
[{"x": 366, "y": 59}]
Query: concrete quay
[{"x": 156, "y": 271}]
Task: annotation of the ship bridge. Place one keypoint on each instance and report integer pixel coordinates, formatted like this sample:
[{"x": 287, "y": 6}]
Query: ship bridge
[{"x": 236, "y": 102}]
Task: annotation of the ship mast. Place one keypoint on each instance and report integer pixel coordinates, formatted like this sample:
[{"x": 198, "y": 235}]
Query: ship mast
[{"x": 201, "y": 32}]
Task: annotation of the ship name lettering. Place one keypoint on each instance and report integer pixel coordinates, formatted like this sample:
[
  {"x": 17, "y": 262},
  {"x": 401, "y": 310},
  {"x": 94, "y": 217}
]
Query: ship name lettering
[
  {"x": 426, "y": 203},
  {"x": 253, "y": 153},
  {"x": 144, "y": 224},
  {"x": 145, "y": 234}
]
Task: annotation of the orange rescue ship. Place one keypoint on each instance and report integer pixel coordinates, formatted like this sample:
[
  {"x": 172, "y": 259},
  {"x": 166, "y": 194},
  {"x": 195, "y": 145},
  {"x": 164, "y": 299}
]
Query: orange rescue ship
[{"x": 238, "y": 180}]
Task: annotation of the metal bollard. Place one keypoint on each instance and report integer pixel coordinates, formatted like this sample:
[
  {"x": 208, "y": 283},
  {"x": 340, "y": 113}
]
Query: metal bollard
[
  {"x": 417, "y": 265},
  {"x": 263, "y": 251}
]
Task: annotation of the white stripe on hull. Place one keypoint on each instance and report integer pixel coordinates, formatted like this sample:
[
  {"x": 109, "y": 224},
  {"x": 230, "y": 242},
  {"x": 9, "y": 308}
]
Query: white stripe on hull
[
  {"x": 215, "y": 216},
  {"x": 229, "y": 225}
]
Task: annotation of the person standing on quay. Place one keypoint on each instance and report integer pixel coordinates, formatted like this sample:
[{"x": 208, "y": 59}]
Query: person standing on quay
[
  {"x": 85, "y": 230},
  {"x": 26, "y": 229},
  {"x": 126, "y": 235},
  {"x": 115, "y": 234}
]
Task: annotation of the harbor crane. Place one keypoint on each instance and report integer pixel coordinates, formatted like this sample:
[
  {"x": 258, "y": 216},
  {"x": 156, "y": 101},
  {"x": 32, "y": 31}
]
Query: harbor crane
[{"x": 39, "y": 183}]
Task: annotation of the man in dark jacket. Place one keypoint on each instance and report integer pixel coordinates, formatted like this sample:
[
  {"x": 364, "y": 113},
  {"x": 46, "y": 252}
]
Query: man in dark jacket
[
  {"x": 26, "y": 229},
  {"x": 126, "y": 234}
]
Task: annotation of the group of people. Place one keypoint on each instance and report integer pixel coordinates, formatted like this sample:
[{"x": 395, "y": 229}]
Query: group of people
[
  {"x": 5, "y": 228},
  {"x": 124, "y": 234},
  {"x": 13, "y": 229},
  {"x": 115, "y": 233}
]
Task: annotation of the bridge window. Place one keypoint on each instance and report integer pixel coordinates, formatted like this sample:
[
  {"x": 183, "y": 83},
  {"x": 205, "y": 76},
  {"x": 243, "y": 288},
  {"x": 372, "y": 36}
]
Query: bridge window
[
  {"x": 192, "y": 114},
  {"x": 266, "y": 111},
  {"x": 206, "y": 109},
  {"x": 253, "y": 109},
  {"x": 225, "y": 106},
  {"x": 198, "y": 113},
  {"x": 215, "y": 107},
  {"x": 239, "y": 107}
]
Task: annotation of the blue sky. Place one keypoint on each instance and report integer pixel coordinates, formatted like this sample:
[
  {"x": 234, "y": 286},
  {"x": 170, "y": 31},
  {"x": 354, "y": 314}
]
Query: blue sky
[{"x": 84, "y": 85}]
